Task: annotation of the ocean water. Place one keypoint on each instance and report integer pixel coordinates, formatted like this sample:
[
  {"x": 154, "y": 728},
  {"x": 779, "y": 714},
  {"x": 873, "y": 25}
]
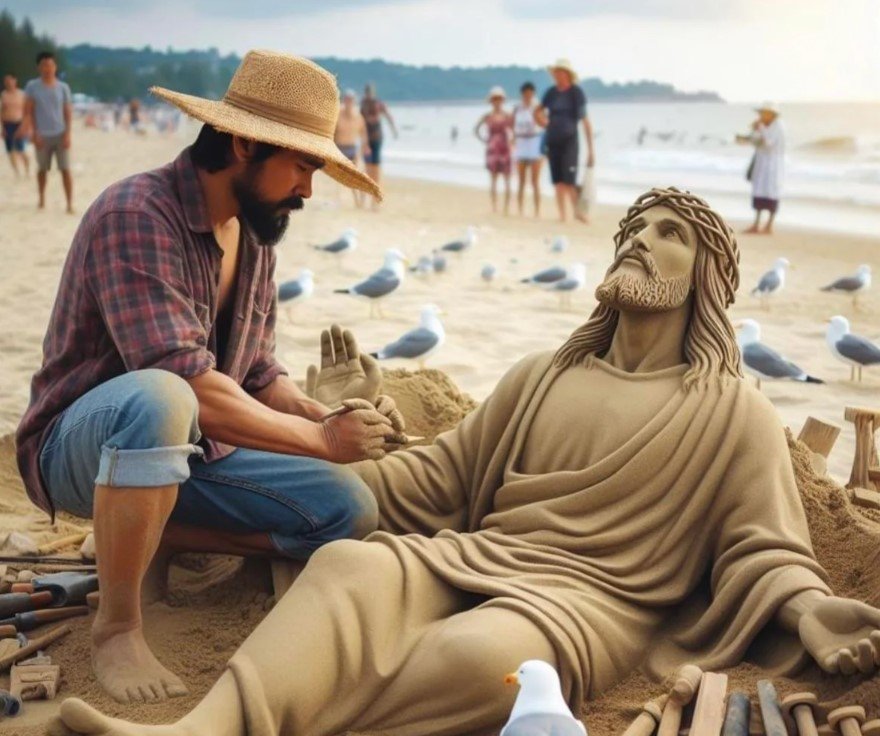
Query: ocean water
[{"x": 832, "y": 168}]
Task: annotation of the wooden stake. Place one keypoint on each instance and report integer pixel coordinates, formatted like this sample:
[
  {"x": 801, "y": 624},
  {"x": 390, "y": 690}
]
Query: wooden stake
[
  {"x": 819, "y": 436},
  {"x": 709, "y": 711}
]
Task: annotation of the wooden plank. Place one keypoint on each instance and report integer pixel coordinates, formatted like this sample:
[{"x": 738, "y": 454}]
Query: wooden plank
[
  {"x": 819, "y": 436},
  {"x": 709, "y": 711}
]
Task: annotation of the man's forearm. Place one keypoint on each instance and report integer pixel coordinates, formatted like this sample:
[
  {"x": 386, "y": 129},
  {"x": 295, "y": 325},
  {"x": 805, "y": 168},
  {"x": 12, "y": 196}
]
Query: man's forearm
[
  {"x": 789, "y": 614},
  {"x": 230, "y": 415},
  {"x": 284, "y": 395}
]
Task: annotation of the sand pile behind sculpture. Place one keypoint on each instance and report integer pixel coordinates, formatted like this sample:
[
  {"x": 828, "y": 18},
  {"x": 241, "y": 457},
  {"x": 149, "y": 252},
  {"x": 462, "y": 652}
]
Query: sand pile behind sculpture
[{"x": 215, "y": 602}]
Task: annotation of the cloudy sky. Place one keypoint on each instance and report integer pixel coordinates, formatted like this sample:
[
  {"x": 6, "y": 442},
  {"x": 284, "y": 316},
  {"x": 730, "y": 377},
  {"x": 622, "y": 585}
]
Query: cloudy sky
[{"x": 746, "y": 50}]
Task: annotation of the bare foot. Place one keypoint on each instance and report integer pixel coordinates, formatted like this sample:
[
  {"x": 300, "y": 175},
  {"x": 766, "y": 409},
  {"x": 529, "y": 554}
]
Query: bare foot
[
  {"x": 767, "y": 231},
  {"x": 127, "y": 669},
  {"x": 751, "y": 230},
  {"x": 79, "y": 718}
]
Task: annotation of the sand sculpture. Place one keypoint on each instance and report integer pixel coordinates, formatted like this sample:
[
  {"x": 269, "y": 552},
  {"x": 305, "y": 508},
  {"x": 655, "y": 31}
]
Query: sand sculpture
[{"x": 627, "y": 502}]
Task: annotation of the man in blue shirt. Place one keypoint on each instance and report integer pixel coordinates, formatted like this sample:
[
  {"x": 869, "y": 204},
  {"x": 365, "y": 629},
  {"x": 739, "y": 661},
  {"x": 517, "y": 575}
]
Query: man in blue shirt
[{"x": 49, "y": 114}]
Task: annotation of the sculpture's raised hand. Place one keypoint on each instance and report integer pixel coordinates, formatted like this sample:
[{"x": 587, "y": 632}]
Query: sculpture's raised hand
[
  {"x": 345, "y": 373},
  {"x": 842, "y": 635}
]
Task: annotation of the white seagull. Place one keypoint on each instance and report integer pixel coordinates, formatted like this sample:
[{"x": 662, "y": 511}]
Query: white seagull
[
  {"x": 547, "y": 276},
  {"x": 575, "y": 278},
  {"x": 466, "y": 243},
  {"x": 345, "y": 243},
  {"x": 418, "y": 344},
  {"x": 382, "y": 283},
  {"x": 772, "y": 282},
  {"x": 856, "y": 351},
  {"x": 852, "y": 285},
  {"x": 559, "y": 244},
  {"x": 763, "y": 362},
  {"x": 424, "y": 267},
  {"x": 297, "y": 290},
  {"x": 540, "y": 709}
]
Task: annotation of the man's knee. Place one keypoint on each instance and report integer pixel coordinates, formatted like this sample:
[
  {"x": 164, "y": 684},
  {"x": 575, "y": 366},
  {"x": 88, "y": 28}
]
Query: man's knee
[
  {"x": 160, "y": 409},
  {"x": 349, "y": 511}
]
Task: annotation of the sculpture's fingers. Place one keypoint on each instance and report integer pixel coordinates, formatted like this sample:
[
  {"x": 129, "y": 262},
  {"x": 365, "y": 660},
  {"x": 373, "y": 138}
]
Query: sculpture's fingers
[
  {"x": 875, "y": 642},
  {"x": 326, "y": 350},
  {"x": 341, "y": 356},
  {"x": 371, "y": 369},
  {"x": 311, "y": 381},
  {"x": 386, "y": 405},
  {"x": 865, "y": 656},
  {"x": 352, "y": 350},
  {"x": 831, "y": 663},
  {"x": 847, "y": 662}
]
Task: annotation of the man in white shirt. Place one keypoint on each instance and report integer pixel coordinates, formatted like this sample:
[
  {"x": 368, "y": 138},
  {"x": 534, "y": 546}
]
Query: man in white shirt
[{"x": 765, "y": 172}]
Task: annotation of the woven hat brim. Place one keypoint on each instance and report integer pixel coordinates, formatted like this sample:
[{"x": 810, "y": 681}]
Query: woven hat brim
[
  {"x": 574, "y": 76},
  {"x": 230, "y": 119}
]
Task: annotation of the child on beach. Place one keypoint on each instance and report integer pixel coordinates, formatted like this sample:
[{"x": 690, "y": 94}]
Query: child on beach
[
  {"x": 527, "y": 151},
  {"x": 499, "y": 126}
]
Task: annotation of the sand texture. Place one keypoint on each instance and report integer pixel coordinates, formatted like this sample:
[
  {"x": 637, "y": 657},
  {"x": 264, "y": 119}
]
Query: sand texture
[{"x": 215, "y": 602}]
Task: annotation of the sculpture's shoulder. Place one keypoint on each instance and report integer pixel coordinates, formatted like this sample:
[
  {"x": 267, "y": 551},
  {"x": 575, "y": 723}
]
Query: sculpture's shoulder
[
  {"x": 758, "y": 418},
  {"x": 538, "y": 363}
]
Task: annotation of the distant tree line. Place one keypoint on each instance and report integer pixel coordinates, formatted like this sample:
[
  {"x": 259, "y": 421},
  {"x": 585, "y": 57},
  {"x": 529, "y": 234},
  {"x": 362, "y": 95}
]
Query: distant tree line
[{"x": 110, "y": 73}]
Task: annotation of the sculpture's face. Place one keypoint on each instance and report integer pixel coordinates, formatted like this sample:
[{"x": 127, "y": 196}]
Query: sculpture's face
[{"x": 653, "y": 267}]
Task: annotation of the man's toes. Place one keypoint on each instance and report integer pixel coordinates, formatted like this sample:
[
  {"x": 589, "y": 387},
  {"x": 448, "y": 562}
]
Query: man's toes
[
  {"x": 175, "y": 688},
  {"x": 133, "y": 695},
  {"x": 148, "y": 695}
]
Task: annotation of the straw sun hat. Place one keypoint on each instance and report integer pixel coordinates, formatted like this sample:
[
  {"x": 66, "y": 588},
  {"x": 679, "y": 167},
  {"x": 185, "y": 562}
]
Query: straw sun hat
[
  {"x": 768, "y": 106},
  {"x": 496, "y": 91},
  {"x": 565, "y": 65},
  {"x": 284, "y": 100}
]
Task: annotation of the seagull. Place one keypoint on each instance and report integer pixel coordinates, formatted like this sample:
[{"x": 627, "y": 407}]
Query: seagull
[
  {"x": 540, "y": 709},
  {"x": 547, "y": 276},
  {"x": 763, "y": 362},
  {"x": 382, "y": 283},
  {"x": 772, "y": 282},
  {"x": 559, "y": 244},
  {"x": 466, "y": 243},
  {"x": 574, "y": 279},
  {"x": 297, "y": 290},
  {"x": 424, "y": 267},
  {"x": 849, "y": 348},
  {"x": 853, "y": 285},
  {"x": 418, "y": 344},
  {"x": 346, "y": 243},
  {"x": 439, "y": 262},
  {"x": 488, "y": 273}
]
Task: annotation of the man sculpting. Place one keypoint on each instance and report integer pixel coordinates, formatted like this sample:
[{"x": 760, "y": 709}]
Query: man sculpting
[
  {"x": 626, "y": 502},
  {"x": 160, "y": 410}
]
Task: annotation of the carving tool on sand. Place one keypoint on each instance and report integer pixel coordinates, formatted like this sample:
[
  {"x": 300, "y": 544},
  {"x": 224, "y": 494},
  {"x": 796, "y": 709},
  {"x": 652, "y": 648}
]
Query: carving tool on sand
[
  {"x": 33, "y": 647},
  {"x": 646, "y": 722},
  {"x": 770, "y": 711},
  {"x": 32, "y": 619},
  {"x": 736, "y": 722},
  {"x": 12, "y": 603},
  {"x": 803, "y": 709},
  {"x": 687, "y": 682},
  {"x": 847, "y": 720},
  {"x": 709, "y": 711}
]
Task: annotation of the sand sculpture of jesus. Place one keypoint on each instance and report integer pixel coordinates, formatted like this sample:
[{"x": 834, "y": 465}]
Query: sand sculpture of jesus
[{"x": 626, "y": 502}]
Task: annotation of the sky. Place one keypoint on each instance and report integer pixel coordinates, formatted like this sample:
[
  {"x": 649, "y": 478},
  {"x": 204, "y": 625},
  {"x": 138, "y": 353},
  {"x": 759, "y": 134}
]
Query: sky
[{"x": 746, "y": 50}]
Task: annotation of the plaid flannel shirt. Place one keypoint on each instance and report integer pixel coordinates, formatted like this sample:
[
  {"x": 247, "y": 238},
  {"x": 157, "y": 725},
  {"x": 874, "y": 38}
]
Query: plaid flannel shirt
[{"x": 140, "y": 290}]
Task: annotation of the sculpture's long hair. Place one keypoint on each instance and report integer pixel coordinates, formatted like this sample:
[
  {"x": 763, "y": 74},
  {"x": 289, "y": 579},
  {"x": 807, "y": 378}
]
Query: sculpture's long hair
[{"x": 710, "y": 344}]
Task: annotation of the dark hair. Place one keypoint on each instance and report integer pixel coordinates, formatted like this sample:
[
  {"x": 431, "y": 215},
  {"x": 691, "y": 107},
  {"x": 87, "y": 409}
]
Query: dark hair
[
  {"x": 45, "y": 55},
  {"x": 212, "y": 150},
  {"x": 527, "y": 85}
]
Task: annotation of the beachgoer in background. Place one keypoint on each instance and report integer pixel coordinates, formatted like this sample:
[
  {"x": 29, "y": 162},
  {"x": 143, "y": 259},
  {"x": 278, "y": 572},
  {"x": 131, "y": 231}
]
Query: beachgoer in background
[
  {"x": 453, "y": 133},
  {"x": 561, "y": 108},
  {"x": 351, "y": 131},
  {"x": 49, "y": 117},
  {"x": 12, "y": 101},
  {"x": 498, "y": 139},
  {"x": 765, "y": 171},
  {"x": 373, "y": 110},
  {"x": 527, "y": 151},
  {"x": 134, "y": 114}
]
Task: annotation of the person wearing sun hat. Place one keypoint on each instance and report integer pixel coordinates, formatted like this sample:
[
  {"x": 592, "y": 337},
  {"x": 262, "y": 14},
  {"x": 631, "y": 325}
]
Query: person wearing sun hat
[
  {"x": 765, "y": 171},
  {"x": 160, "y": 410},
  {"x": 562, "y": 108},
  {"x": 498, "y": 139}
]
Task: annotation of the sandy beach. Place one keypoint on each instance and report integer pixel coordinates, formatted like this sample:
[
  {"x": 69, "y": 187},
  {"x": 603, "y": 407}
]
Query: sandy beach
[{"x": 488, "y": 329}]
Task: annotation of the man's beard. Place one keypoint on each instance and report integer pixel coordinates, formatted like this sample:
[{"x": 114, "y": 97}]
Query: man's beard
[
  {"x": 265, "y": 218},
  {"x": 650, "y": 293}
]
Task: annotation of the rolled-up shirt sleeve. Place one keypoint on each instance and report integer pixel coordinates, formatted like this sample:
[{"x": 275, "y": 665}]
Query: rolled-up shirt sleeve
[{"x": 135, "y": 269}]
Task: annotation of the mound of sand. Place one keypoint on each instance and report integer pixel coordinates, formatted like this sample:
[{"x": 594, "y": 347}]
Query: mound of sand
[{"x": 216, "y": 601}]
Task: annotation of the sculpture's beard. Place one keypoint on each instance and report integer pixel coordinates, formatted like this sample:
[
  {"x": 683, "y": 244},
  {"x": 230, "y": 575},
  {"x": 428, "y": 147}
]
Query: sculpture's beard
[{"x": 650, "y": 293}]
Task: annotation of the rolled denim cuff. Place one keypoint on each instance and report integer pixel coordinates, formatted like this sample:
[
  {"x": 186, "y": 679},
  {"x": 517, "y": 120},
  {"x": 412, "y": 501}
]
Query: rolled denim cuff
[{"x": 145, "y": 468}]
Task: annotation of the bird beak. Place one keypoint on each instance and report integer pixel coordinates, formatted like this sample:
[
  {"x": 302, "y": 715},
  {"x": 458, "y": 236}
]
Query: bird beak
[{"x": 511, "y": 679}]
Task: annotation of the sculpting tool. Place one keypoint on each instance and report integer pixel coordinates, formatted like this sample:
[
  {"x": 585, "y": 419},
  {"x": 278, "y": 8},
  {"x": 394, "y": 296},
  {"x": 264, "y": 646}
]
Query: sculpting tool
[
  {"x": 687, "y": 682},
  {"x": 770, "y": 711},
  {"x": 35, "y": 646},
  {"x": 709, "y": 711},
  {"x": 646, "y": 722},
  {"x": 12, "y": 603},
  {"x": 736, "y": 722},
  {"x": 33, "y": 619},
  {"x": 847, "y": 720},
  {"x": 803, "y": 709}
]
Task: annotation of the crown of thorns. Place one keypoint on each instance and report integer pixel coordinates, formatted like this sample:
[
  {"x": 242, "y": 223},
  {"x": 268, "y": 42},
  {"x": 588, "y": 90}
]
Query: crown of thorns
[{"x": 713, "y": 232}]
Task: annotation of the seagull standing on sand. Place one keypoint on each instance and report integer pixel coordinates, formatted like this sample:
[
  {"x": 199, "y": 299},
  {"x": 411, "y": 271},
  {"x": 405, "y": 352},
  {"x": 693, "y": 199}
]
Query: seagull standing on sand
[
  {"x": 540, "y": 709},
  {"x": 772, "y": 282},
  {"x": 439, "y": 262},
  {"x": 345, "y": 243},
  {"x": 851, "y": 349},
  {"x": 764, "y": 362},
  {"x": 466, "y": 243},
  {"x": 424, "y": 267},
  {"x": 559, "y": 245},
  {"x": 382, "y": 283},
  {"x": 575, "y": 278},
  {"x": 547, "y": 276},
  {"x": 852, "y": 285},
  {"x": 418, "y": 344},
  {"x": 297, "y": 290}
]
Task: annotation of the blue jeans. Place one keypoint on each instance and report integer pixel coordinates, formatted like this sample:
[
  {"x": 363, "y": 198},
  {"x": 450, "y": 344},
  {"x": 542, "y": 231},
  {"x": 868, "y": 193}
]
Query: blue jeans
[{"x": 139, "y": 430}]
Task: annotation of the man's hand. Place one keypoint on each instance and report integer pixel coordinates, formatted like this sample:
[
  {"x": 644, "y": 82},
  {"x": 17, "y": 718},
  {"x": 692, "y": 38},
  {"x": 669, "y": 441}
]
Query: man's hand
[
  {"x": 345, "y": 373},
  {"x": 359, "y": 434},
  {"x": 38, "y": 140},
  {"x": 65, "y": 140},
  {"x": 842, "y": 635}
]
